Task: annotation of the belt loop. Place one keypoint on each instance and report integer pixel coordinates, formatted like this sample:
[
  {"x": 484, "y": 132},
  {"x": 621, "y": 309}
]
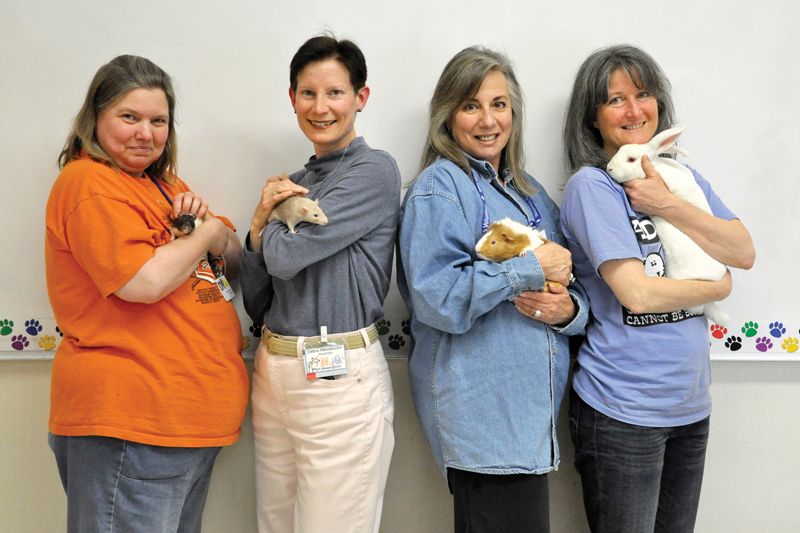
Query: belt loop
[
  {"x": 365, "y": 336},
  {"x": 299, "y": 348}
]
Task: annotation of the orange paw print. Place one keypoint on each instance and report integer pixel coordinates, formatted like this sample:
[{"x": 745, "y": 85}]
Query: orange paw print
[{"x": 717, "y": 331}]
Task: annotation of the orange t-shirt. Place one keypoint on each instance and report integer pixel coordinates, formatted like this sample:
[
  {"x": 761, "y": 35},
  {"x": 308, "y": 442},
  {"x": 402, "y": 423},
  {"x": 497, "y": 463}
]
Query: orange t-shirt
[{"x": 168, "y": 373}]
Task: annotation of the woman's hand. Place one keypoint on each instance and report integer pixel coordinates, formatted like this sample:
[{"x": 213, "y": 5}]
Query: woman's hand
[
  {"x": 277, "y": 189},
  {"x": 650, "y": 195},
  {"x": 189, "y": 203},
  {"x": 555, "y": 307},
  {"x": 556, "y": 262}
]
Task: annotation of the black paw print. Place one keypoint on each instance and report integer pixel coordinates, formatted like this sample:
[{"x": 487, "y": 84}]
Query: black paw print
[
  {"x": 60, "y": 333},
  {"x": 255, "y": 329},
  {"x": 383, "y": 327},
  {"x": 733, "y": 342},
  {"x": 406, "y": 326},
  {"x": 396, "y": 342}
]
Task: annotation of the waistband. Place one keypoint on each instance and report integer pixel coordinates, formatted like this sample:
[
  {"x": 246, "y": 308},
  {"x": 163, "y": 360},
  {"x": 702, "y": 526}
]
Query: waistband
[{"x": 293, "y": 346}]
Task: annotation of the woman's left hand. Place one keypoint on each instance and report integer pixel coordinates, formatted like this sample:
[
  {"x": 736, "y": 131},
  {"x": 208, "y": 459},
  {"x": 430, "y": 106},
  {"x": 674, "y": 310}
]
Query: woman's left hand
[
  {"x": 650, "y": 195},
  {"x": 189, "y": 203},
  {"x": 554, "y": 307}
]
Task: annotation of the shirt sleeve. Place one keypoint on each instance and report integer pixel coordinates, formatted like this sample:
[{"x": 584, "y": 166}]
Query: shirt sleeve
[
  {"x": 595, "y": 217},
  {"x": 256, "y": 283},
  {"x": 355, "y": 205},
  {"x": 718, "y": 207},
  {"x": 449, "y": 290},
  {"x": 110, "y": 240}
]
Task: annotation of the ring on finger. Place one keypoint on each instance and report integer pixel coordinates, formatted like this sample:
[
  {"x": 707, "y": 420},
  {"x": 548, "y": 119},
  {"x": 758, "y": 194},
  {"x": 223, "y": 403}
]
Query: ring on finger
[{"x": 537, "y": 314}]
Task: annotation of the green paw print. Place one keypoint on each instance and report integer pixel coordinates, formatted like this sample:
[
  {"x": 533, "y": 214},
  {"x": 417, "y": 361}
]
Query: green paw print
[
  {"x": 750, "y": 329},
  {"x": 790, "y": 344},
  {"x": 6, "y": 327}
]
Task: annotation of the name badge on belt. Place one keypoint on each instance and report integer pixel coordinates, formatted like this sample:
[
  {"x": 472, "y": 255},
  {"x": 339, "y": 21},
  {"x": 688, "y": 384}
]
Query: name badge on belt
[{"x": 324, "y": 358}]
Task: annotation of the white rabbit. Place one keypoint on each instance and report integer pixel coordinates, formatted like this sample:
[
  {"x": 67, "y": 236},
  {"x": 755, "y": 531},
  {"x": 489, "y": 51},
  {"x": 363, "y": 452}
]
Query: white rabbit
[{"x": 684, "y": 258}]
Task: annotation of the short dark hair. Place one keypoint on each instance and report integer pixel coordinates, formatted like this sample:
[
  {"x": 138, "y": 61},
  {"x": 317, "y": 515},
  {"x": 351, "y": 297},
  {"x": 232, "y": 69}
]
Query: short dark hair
[
  {"x": 582, "y": 141},
  {"x": 111, "y": 83},
  {"x": 324, "y": 47}
]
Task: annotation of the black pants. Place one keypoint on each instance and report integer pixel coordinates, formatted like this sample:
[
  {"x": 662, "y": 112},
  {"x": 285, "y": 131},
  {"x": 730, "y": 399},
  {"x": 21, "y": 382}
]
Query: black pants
[{"x": 488, "y": 503}]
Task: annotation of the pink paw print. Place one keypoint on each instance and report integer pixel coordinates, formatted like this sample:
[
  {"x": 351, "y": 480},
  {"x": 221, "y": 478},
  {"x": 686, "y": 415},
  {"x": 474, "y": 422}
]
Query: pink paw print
[
  {"x": 19, "y": 342},
  {"x": 763, "y": 344},
  {"x": 718, "y": 332}
]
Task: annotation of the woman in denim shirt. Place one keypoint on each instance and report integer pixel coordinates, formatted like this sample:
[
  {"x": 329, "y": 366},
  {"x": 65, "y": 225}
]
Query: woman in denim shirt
[{"x": 489, "y": 363}]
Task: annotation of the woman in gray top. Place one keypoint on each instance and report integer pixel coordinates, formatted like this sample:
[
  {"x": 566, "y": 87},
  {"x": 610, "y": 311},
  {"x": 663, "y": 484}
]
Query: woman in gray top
[{"x": 322, "y": 395}]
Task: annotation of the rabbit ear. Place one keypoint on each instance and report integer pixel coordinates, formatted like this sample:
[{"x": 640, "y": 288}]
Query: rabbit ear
[{"x": 663, "y": 141}]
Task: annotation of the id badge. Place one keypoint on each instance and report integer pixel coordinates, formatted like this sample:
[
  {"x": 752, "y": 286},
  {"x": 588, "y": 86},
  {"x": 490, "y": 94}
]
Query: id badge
[
  {"x": 323, "y": 359},
  {"x": 225, "y": 288}
]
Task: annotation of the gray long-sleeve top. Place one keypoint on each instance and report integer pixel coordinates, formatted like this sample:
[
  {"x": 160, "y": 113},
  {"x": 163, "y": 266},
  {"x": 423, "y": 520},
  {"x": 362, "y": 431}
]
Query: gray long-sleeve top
[{"x": 335, "y": 275}]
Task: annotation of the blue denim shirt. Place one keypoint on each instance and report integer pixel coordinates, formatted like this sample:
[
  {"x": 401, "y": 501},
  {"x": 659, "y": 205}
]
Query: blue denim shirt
[{"x": 486, "y": 380}]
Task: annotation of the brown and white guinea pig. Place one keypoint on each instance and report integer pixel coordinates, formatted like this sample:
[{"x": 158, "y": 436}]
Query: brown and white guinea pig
[
  {"x": 296, "y": 209},
  {"x": 183, "y": 224},
  {"x": 506, "y": 239}
]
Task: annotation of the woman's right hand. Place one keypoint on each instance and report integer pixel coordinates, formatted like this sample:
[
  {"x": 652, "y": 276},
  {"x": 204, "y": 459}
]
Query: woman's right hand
[
  {"x": 556, "y": 262},
  {"x": 277, "y": 189}
]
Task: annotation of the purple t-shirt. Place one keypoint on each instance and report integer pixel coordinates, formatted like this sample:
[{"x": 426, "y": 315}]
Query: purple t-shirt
[{"x": 648, "y": 369}]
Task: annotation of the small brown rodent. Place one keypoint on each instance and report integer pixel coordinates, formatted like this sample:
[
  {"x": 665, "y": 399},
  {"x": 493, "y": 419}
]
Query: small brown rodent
[
  {"x": 183, "y": 224},
  {"x": 296, "y": 209}
]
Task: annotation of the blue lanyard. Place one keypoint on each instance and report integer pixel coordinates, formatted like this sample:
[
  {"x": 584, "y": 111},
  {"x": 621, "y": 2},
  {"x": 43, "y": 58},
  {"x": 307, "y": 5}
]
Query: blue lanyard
[
  {"x": 160, "y": 188},
  {"x": 537, "y": 218}
]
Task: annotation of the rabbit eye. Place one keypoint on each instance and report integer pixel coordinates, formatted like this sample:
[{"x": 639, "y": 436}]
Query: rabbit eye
[
  {"x": 494, "y": 242},
  {"x": 631, "y": 159}
]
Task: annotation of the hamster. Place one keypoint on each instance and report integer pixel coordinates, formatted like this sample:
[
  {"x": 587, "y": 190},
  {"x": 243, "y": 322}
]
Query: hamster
[
  {"x": 296, "y": 209},
  {"x": 183, "y": 224},
  {"x": 506, "y": 239}
]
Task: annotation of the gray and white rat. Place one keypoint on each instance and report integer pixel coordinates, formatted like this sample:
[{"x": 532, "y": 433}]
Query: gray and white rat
[{"x": 296, "y": 209}]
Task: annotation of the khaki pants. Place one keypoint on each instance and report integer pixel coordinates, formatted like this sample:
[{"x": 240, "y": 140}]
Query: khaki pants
[{"x": 322, "y": 447}]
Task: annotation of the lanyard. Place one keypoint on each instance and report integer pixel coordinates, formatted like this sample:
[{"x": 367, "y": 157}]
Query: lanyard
[
  {"x": 160, "y": 188},
  {"x": 537, "y": 218}
]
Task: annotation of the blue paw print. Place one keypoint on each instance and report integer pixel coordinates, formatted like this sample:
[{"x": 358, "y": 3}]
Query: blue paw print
[
  {"x": 763, "y": 344},
  {"x": 19, "y": 342},
  {"x": 33, "y": 327},
  {"x": 776, "y": 329}
]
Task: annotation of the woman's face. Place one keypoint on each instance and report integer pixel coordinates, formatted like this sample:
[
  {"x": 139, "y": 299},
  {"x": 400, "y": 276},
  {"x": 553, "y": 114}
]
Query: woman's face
[
  {"x": 326, "y": 105},
  {"x": 629, "y": 116},
  {"x": 481, "y": 125},
  {"x": 133, "y": 131}
]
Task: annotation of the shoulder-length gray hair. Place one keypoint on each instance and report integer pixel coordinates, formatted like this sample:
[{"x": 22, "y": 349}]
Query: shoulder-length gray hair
[
  {"x": 460, "y": 80},
  {"x": 583, "y": 144},
  {"x": 113, "y": 81}
]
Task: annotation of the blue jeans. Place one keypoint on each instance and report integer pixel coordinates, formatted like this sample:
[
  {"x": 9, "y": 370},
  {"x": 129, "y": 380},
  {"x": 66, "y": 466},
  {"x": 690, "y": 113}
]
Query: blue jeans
[
  {"x": 120, "y": 486},
  {"x": 637, "y": 479}
]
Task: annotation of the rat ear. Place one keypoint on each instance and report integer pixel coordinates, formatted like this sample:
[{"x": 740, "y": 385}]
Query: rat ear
[
  {"x": 316, "y": 201},
  {"x": 303, "y": 210}
]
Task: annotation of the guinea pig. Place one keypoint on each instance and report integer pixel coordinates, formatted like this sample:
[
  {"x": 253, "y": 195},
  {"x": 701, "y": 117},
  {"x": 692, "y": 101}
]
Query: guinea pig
[
  {"x": 506, "y": 239},
  {"x": 296, "y": 209},
  {"x": 183, "y": 224}
]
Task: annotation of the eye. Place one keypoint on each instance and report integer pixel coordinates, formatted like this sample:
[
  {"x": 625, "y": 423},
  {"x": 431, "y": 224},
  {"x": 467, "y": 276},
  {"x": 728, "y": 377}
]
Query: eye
[
  {"x": 305, "y": 93},
  {"x": 500, "y": 104},
  {"x": 469, "y": 106},
  {"x": 336, "y": 92},
  {"x": 631, "y": 160},
  {"x": 644, "y": 94},
  {"x": 616, "y": 101},
  {"x": 127, "y": 117},
  {"x": 494, "y": 242}
]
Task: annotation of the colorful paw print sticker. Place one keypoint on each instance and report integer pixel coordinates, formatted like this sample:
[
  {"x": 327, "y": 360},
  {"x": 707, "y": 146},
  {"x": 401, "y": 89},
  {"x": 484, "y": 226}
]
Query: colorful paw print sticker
[
  {"x": 6, "y": 327},
  {"x": 19, "y": 342},
  {"x": 245, "y": 342},
  {"x": 733, "y": 343},
  {"x": 718, "y": 332},
  {"x": 776, "y": 329},
  {"x": 47, "y": 342},
  {"x": 750, "y": 329},
  {"x": 790, "y": 344},
  {"x": 33, "y": 327},
  {"x": 763, "y": 344}
]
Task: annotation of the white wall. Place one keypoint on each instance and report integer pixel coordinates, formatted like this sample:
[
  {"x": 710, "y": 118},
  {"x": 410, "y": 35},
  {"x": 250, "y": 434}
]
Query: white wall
[{"x": 733, "y": 69}]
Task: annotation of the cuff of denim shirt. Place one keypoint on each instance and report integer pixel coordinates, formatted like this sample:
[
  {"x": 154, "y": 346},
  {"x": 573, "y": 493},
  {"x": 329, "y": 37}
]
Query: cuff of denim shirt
[
  {"x": 577, "y": 325},
  {"x": 525, "y": 273}
]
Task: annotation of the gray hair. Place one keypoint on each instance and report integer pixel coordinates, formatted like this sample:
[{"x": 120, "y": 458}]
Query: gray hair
[
  {"x": 583, "y": 144},
  {"x": 460, "y": 80},
  {"x": 112, "y": 82}
]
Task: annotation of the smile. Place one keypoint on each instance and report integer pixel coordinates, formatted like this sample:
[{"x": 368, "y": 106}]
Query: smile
[
  {"x": 633, "y": 126},
  {"x": 486, "y": 138},
  {"x": 322, "y": 124}
]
